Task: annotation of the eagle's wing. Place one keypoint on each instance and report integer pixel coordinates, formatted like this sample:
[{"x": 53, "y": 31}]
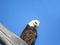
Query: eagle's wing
[{"x": 29, "y": 36}]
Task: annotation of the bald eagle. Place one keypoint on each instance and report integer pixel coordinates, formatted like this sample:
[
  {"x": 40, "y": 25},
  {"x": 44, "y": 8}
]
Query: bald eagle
[{"x": 29, "y": 34}]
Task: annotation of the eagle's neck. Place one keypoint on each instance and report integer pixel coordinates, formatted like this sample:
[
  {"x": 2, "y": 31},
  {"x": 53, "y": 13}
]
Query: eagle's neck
[
  {"x": 31, "y": 24},
  {"x": 29, "y": 27}
]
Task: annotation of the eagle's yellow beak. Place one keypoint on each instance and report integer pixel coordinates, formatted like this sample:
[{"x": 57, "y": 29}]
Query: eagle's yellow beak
[{"x": 36, "y": 25}]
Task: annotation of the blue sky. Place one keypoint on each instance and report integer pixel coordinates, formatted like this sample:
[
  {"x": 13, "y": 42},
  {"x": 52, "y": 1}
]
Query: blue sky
[{"x": 15, "y": 14}]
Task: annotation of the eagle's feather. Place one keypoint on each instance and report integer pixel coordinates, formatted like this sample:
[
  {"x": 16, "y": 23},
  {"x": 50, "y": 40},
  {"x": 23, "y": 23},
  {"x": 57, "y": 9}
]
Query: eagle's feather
[{"x": 29, "y": 35}]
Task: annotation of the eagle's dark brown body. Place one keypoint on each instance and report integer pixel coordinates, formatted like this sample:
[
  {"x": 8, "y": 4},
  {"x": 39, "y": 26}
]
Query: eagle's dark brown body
[{"x": 29, "y": 35}]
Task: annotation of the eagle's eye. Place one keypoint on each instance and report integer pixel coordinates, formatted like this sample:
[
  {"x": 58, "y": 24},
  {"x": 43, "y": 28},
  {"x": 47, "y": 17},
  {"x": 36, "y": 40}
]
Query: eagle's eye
[{"x": 35, "y": 22}]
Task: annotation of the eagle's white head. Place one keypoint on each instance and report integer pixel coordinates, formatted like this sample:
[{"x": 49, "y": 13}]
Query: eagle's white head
[{"x": 34, "y": 23}]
